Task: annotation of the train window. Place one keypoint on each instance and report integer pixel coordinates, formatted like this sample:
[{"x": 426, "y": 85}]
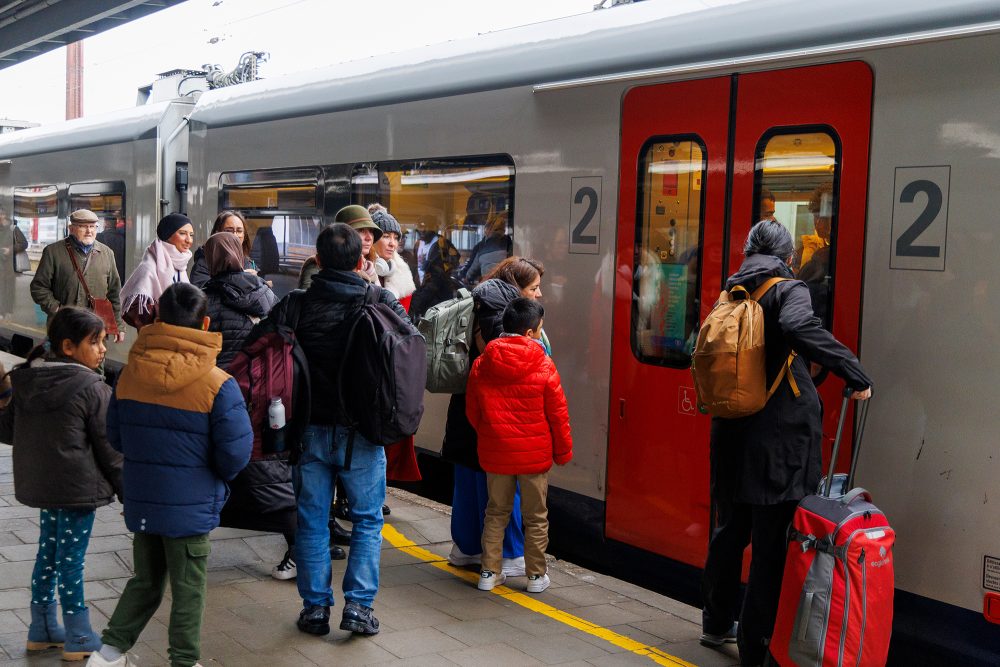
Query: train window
[
  {"x": 796, "y": 183},
  {"x": 36, "y": 215},
  {"x": 107, "y": 200},
  {"x": 455, "y": 213},
  {"x": 36, "y": 224},
  {"x": 667, "y": 245},
  {"x": 283, "y": 209}
]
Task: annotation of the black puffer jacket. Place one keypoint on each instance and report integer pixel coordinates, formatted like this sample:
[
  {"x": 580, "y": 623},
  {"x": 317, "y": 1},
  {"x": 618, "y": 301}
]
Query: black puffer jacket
[
  {"x": 460, "y": 444},
  {"x": 236, "y": 301},
  {"x": 56, "y": 424},
  {"x": 332, "y": 297},
  {"x": 775, "y": 455}
]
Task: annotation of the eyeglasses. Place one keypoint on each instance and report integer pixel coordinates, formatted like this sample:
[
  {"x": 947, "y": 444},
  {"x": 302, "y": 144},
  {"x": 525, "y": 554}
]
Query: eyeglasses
[{"x": 85, "y": 226}]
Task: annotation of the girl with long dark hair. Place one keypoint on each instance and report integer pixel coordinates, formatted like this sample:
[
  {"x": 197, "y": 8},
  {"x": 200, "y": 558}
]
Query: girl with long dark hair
[{"x": 64, "y": 466}]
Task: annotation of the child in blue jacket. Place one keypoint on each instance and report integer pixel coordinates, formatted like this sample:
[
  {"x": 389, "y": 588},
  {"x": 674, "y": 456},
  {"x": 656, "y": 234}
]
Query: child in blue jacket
[{"x": 183, "y": 428}]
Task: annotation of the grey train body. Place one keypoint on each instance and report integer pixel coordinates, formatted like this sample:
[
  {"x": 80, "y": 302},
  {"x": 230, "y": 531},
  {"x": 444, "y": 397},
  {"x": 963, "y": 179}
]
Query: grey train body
[{"x": 548, "y": 100}]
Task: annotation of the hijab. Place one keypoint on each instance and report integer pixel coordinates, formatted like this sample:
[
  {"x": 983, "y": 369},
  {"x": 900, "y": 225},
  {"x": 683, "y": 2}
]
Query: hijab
[
  {"x": 223, "y": 253},
  {"x": 161, "y": 266}
]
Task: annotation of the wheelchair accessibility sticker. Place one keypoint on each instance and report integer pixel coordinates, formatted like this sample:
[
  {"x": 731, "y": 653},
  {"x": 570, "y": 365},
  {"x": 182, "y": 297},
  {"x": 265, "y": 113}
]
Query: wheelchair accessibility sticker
[{"x": 686, "y": 401}]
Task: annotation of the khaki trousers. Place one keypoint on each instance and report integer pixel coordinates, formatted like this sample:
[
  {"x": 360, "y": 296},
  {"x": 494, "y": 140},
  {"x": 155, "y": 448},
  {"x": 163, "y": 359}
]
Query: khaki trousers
[{"x": 534, "y": 514}]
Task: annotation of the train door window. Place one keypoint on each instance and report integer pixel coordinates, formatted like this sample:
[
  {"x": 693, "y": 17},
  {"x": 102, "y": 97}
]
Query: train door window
[
  {"x": 667, "y": 251},
  {"x": 107, "y": 200},
  {"x": 796, "y": 178},
  {"x": 284, "y": 212},
  {"x": 455, "y": 213}
]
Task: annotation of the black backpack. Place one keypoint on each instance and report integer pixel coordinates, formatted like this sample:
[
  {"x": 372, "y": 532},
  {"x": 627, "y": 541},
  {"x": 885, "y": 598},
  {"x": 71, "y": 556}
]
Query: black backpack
[{"x": 380, "y": 384}]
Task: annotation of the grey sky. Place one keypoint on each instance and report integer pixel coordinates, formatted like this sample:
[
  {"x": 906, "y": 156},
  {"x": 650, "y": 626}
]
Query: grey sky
[{"x": 299, "y": 35}]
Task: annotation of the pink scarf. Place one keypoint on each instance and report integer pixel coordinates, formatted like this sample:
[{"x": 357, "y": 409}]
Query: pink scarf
[{"x": 161, "y": 266}]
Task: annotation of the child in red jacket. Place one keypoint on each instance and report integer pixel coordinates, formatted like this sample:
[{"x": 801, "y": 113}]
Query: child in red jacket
[{"x": 515, "y": 402}]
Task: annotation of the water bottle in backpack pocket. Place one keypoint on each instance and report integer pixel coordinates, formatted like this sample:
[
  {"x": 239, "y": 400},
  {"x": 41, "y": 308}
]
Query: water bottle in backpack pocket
[{"x": 274, "y": 435}]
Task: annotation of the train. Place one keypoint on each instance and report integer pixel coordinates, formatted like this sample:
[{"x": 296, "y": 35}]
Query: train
[{"x": 632, "y": 149}]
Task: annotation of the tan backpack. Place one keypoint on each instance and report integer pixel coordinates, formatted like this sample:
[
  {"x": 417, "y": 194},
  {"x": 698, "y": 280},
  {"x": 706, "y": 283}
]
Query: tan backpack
[{"x": 728, "y": 362}]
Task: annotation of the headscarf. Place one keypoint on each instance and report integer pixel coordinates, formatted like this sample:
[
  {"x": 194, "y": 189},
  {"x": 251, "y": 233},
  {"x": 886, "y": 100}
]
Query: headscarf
[
  {"x": 161, "y": 266},
  {"x": 223, "y": 253}
]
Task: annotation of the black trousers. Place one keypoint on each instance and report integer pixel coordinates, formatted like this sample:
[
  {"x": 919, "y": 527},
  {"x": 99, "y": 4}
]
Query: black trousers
[{"x": 740, "y": 524}]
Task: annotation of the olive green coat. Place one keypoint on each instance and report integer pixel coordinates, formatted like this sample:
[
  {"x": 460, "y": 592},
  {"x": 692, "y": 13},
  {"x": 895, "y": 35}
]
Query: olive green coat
[{"x": 56, "y": 284}]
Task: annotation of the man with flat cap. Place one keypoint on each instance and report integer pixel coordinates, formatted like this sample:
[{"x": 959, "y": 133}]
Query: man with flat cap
[{"x": 57, "y": 280}]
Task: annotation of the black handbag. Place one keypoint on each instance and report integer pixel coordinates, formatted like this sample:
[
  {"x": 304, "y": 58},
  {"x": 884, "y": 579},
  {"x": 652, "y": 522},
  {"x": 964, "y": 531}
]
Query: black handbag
[{"x": 263, "y": 486}]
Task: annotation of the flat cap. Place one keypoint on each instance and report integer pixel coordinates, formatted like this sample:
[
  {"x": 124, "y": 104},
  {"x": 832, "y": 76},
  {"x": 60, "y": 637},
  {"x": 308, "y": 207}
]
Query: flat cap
[{"x": 82, "y": 216}]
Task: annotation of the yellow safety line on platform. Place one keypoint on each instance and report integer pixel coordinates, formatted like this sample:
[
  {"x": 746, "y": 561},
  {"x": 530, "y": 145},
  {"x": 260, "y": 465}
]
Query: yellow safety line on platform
[{"x": 404, "y": 544}]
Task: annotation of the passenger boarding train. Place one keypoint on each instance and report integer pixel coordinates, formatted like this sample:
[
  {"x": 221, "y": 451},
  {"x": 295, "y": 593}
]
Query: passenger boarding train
[{"x": 632, "y": 149}]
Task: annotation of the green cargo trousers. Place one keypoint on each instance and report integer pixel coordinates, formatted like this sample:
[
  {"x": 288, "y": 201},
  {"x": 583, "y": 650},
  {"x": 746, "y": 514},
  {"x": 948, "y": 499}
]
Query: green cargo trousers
[{"x": 185, "y": 561}]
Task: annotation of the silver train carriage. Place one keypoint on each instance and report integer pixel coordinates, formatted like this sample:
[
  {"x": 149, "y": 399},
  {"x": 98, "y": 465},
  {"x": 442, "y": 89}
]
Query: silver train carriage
[{"x": 632, "y": 149}]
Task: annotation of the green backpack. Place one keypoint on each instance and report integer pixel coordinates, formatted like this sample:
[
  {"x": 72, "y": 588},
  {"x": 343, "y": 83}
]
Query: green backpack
[{"x": 448, "y": 330}]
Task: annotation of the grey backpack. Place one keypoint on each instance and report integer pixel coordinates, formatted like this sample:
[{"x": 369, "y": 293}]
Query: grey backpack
[{"x": 448, "y": 330}]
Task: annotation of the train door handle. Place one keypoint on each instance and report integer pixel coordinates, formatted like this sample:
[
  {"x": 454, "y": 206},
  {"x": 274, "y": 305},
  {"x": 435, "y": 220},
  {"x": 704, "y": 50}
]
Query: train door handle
[{"x": 621, "y": 408}]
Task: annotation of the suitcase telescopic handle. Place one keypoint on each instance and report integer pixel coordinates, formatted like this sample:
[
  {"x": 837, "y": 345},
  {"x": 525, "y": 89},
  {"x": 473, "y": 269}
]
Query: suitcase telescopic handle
[
  {"x": 863, "y": 417},
  {"x": 859, "y": 433}
]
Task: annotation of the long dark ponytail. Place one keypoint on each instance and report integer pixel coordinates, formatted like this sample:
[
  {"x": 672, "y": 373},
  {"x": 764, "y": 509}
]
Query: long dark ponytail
[{"x": 69, "y": 323}]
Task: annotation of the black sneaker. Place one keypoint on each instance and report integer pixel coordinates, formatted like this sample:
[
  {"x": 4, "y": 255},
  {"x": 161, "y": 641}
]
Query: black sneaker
[
  {"x": 315, "y": 620},
  {"x": 337, "y": 553},
  {"x": 339, "y": 534},
  {"x": 386, "y": 511},
  {"x": 359, "y": 618},
  {"x": 712, "y": 640}
]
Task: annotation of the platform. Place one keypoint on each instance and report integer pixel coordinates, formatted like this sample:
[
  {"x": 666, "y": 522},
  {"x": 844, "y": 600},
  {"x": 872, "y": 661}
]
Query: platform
[{"x": 431, "y": 613}]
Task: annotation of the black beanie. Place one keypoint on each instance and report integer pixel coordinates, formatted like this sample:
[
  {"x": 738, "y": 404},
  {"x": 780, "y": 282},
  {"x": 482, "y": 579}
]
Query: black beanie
[{"x": 169, "y": 224}]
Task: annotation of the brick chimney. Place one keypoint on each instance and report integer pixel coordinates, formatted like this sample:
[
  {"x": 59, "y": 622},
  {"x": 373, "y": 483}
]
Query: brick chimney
[{"x": 74, "y": 80}]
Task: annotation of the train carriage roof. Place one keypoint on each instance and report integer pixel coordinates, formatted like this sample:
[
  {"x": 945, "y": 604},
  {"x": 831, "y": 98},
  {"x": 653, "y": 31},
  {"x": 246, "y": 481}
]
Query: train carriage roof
[
  {"x": 115, "y": 127},
  {"x": 653, "y": 35},
  {"x": 647, "y": 35}
]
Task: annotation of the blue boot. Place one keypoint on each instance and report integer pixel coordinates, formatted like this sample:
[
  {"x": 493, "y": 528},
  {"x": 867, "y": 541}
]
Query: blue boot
[
  {"x": 44, "y": 631},
  {"x": 81, "y": 640}
]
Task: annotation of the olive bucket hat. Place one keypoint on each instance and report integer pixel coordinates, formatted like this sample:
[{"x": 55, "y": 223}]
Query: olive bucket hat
[{"x": 359, "y": 218}]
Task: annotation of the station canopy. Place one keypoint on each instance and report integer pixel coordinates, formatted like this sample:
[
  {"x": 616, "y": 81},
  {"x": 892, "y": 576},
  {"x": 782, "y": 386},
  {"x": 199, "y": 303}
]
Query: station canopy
[{"x": 31, "y": 27}]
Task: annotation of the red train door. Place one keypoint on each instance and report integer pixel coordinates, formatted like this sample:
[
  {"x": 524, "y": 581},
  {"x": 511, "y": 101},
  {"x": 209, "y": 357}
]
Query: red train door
[
  {"x": 799, "y": 141},
  {"x": 669, "y": 266},
  {"x": 802, "y": 134}
]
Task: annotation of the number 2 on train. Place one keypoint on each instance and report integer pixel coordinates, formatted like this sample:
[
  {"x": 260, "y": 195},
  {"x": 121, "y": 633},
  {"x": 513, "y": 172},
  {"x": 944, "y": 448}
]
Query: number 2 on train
[
  {"x": 920, "y": 213},
  {"x": 584, "y": 234}
]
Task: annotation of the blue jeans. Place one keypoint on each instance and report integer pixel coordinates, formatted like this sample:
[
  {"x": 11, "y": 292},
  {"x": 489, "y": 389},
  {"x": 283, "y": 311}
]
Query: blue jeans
[
  {"x": 468, "y": 515},
  {"x": 322, "y": 462}
]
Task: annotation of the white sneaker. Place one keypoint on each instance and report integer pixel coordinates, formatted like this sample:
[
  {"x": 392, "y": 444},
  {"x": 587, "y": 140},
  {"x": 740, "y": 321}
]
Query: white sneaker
[
  {"x": 97, "y": 660},
  {"x": 513, "y": 567},
  {"x": 459, "y": 559},
  {"x": 538, "y": 583},
  {"x": 285, "y": 569},
  {"x": 488, "y": 579}
]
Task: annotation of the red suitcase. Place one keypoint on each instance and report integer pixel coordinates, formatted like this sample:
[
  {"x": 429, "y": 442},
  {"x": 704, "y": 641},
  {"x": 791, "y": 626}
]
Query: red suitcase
[{"x": 835, "y": 608}]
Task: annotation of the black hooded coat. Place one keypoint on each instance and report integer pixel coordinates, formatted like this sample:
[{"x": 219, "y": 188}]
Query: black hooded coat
[
  {"x": 460, "y": 443},
  {"x": 56, "y": 424},
  {"x": 775, "y": 455}
]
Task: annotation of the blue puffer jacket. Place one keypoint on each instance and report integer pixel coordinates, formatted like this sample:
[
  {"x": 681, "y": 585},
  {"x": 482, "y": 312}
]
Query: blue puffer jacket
[{"x": 183, "y": 428}]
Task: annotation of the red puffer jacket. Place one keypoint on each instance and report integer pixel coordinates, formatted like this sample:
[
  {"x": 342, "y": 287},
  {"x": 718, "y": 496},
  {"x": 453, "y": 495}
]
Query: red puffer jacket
[{"x": 516, "y": 404}]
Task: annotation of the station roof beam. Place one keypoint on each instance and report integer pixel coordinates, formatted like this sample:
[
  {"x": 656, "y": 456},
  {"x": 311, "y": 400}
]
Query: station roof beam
[{"x": 31, "y": 27}]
